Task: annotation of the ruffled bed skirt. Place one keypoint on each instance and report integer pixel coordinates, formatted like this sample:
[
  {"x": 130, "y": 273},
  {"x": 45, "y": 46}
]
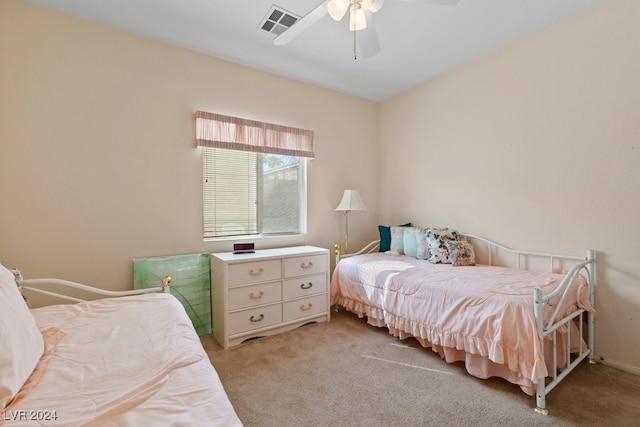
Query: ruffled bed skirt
[{"x": 481, "y": 359}]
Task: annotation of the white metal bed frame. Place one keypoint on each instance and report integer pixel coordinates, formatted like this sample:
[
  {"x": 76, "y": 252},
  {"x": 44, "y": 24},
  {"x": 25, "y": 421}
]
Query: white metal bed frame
[
  {"x": 585, "y": 264},
  {"x": 37, "y": 285}
]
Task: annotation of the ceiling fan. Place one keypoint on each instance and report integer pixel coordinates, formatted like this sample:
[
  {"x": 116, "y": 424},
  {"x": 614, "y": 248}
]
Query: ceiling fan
[{"x": 360, "y": 21}]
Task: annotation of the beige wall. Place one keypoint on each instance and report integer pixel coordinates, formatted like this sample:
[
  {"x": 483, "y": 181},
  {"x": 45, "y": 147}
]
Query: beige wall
[
  {"x": 538, "y": 147},
  {"x": 98, "y": 163}
]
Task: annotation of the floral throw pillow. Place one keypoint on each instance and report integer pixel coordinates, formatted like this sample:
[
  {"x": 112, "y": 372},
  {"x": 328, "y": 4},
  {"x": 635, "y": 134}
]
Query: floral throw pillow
[
  {"x": 461, "y": 253},
  {"x": 437, "y": 239},
  {"x": 422, "y": 244}
]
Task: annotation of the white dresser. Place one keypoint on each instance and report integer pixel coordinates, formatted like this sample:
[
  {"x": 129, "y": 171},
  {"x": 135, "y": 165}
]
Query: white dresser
[{"x": 267, "y": 292}]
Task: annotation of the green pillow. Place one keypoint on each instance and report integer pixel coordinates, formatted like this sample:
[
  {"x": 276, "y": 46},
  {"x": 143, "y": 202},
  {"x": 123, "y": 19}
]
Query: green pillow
[{"x": 385, "y": 236}]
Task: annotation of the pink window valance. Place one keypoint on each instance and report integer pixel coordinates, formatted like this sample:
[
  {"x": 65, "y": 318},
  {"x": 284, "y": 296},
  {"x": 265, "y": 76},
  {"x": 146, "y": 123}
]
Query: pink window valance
[{"x": 219, "y": 131}]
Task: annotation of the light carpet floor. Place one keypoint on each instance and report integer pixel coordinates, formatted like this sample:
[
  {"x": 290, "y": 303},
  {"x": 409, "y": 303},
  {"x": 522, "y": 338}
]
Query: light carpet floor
[{"x": 347, "y": 373}]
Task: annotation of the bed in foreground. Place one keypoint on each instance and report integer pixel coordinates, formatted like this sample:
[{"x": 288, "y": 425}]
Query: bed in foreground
[
  {"x": 126, "y": 361},
  {"x": 523, "y": 326}
]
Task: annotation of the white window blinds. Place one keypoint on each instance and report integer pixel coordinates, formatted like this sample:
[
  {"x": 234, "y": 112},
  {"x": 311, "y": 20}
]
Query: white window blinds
[{"x": 229, "y": 192}]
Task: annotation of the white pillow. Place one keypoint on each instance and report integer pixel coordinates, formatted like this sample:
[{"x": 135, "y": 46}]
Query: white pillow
[
  {"x": 397, "y": 239},
  {"x": 21, "y": 344}
]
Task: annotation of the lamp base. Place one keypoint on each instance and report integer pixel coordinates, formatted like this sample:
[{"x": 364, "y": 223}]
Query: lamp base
[{"x": 346, "y": 232}]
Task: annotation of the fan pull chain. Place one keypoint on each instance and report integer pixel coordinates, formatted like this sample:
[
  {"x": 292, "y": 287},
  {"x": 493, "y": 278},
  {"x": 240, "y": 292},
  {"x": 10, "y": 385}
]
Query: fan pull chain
[{"x": 355, "y": 55}]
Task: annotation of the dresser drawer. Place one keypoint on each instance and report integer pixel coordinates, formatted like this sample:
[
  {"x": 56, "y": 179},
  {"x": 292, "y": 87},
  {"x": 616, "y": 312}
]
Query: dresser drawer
[
  {"x": 250, "y": 296},
  {"x": 303, "y": 307},
  {"x": 255, "y": 318},
  {"x": 310, "y": 285},
  {"x": 254, "y": 272},
  {"x": 305, "y": 265}
]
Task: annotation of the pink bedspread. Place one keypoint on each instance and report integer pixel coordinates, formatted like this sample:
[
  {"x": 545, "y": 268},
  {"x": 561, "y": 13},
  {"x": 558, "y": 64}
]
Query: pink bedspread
[
  {"x": 132, "y": 361},
  {"x": 480, "y": 314}
]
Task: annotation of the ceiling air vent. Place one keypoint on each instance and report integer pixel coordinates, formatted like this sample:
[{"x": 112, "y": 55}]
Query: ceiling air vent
[{"x": 278, "y": 20}]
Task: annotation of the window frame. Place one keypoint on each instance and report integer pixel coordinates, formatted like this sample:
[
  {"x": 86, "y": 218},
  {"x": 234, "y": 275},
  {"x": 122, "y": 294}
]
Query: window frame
[
  {"x": 219, "y": 131},
  {"x": 211, "y": 231}
]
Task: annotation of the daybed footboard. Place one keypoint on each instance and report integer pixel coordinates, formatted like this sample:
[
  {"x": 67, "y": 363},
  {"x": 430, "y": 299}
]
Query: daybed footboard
[
  {"x": 557, "y": 319},
  {"x": 550, "y": 330}
]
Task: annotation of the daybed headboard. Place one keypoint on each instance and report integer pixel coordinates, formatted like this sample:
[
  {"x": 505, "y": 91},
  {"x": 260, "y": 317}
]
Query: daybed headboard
[{"x": 492, "y": 253}]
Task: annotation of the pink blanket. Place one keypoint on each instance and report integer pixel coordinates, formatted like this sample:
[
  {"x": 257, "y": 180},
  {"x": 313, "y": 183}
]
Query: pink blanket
[
  {"x": 480, "y": 314},
  {"x": 128, "y": 361}
]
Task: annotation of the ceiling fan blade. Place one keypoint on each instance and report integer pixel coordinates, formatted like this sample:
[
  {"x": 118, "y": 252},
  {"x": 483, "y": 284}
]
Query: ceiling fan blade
[
  {"x": 443, "y": 2},
  {"x": 368, "y": 37},
  {"x": 302, "y": 24}
]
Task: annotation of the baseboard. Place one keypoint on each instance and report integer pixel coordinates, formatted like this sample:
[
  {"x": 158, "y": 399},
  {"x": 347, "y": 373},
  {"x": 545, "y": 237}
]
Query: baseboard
[{"x": 621, "y": 366}]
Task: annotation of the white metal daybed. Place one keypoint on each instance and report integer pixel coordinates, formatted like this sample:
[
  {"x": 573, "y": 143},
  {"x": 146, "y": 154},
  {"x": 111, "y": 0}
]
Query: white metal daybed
[
  {"x": 524, "y": 326},
  {"x": 126, "y": 361}
]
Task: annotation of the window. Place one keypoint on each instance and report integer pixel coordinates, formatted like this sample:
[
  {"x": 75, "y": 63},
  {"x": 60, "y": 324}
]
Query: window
[
  {"x": 248, "y": 193},
  {"x": 254, "y": 176}
]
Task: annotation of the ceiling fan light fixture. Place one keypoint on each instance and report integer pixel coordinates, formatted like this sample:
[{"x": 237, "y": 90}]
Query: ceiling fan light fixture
[
  {"x": 373, "y": 5},
  {"x": 337, "y": 8},
  {"x": 357, "y": 20}
]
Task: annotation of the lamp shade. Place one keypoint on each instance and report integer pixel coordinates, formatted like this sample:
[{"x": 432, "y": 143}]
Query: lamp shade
[{"x": 351, "y": 201}]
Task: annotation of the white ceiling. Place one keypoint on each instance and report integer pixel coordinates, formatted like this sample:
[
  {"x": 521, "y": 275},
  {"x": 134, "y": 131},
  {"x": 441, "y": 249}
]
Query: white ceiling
[{"x": 419, "y": 41}]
